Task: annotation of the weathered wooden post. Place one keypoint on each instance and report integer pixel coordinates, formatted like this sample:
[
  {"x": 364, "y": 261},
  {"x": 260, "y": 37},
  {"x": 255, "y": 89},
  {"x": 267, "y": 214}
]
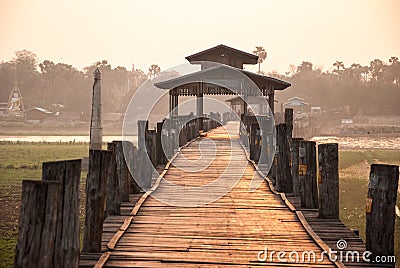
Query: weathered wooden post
[
  {"x": 289, "y": 135},
  {"x": 294, "y": 153},
  {"x": 38, "y": 225},
  {"x": 96, "y": 131},
  {"x": 257, "y": 144},
  {"x": 122, "y": 171},
  {"x": 99, "y": 163},
  {"x": 283, "y": 178},
  {"x": 151, "y": 140},
  {"x": 308, "y": 174},
  {"x": 189, "y": 131},
  {"x": 380, "y": 210},
  {"x": 182, "y": 134},
  {"x": 130, "y": 152},
  {"x": 266, "y": 146},
  {"x": 252, "y": 140},
  {"x": 67, "y": 173},
  {"x": 167, "y": 144},
  {"x": 274, "y": 165},
  {"x": 143, "y": 157},
  {"x": 289, "y": 123},
  {"x": 113, "y": 195},
  {"x": 174, "y": 138},
  {"x": 193, "y": 131},
  {"x": 160, "y": 152},
  {"x": 328, "y": 181}
]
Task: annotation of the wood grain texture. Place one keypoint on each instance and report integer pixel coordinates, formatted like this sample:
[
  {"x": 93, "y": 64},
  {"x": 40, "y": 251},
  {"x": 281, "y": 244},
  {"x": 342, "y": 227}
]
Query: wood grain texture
[
  {"x": 382, "y": 189},
  {"x": 37, "y": 224},
  {"x": 328, "y": 180},
  {"x": 67, "y": 173}
]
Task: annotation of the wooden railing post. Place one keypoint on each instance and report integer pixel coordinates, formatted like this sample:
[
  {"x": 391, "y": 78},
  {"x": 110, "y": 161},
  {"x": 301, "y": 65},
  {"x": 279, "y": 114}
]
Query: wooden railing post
[
  {"x": 99, "y": 162},
  {"x": 294, "y": 156},
  {"x": 380, "y": 211},
  {"x": 257, "y": 144},
  {"x": 165, "y": 137},
  {"x": 113, "y": 195},
  {"x": 121, "y": 171},
  {"x": 328, "y": 181},
  {"x": 37, "y": 236},
  {"x": 266, "y": 140},
  {"x": 252, "y": 140},
  {"x": 283, "y": 177},
  {"x": 144, "y": 168},
  {"x": 308, "y": 174},
  {"x": 189, "y": 131},
  {"x": 130, "y": 152},
  {"x": 160, "y": 152},
  {"x": 289, "y": 123},
  {"x": 174, "y": 138},
  {"x": 68, "y": 174},
  {"x": 151, "y": 141}
]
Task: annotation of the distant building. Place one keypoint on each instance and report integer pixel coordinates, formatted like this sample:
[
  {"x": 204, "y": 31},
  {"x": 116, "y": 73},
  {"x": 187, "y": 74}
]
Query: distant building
[
  {"x": 297, "y": 104},
  {"x": 38, "y": 114},
  {"x": 258, "y": 105}
]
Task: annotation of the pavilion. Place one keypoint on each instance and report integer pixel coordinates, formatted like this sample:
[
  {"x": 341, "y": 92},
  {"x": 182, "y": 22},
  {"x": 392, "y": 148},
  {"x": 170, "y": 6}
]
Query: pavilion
[{"x": 220, "y": 66}]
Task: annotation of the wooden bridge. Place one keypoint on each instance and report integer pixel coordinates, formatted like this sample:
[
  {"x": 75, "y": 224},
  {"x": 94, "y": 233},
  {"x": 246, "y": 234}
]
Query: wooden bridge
[
  {"x": 230, "y": 231},
  {"x": 186, "y": 216}
]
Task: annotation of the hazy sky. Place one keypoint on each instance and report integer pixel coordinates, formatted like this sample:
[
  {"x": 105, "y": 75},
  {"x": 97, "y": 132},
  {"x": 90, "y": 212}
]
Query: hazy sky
[{"x": 164, "y": 32}]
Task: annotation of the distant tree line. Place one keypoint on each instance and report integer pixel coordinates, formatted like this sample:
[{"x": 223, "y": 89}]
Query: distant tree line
[
  {"x": 373, "y": 89},
  {"x": 367, "y": 90},
  {"x": 53, "y": 85}
]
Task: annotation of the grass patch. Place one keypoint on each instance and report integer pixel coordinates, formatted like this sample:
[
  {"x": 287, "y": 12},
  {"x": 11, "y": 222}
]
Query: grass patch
[
  {"x": 24, "y": 161},
  {"x": 350, "y": 158},
  {"x": 7, "y": 252},
  {"x": 354, "y": 168}
]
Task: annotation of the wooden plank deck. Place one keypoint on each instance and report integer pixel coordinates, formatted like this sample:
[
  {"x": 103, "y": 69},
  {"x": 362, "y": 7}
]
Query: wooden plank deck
[{"x": 230, "y": 231}]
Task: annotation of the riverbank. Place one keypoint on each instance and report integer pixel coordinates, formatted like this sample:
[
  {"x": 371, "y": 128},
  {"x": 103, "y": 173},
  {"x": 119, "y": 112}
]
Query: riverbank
[{"x": 53, "y": 128}]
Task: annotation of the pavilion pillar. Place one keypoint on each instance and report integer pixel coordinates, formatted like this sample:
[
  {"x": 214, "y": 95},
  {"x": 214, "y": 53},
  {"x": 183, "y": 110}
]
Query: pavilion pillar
[
  {"x": 170, "y": 104},
  {"x": 175, "y": 104},
  {"x": 199, "y": 107},
  {"x": 271, "y": 99},
  {"x": 245, "y": 103}
]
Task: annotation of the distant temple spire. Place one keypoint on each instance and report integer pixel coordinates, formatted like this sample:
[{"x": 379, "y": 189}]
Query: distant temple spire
[{"x": 96, "y": 131}]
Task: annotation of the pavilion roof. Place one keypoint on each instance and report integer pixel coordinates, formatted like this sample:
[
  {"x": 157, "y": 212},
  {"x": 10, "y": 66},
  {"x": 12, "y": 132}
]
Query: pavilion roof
[
  {"x": 224, "y": 76},
  {"x": 225, "y": 55}
]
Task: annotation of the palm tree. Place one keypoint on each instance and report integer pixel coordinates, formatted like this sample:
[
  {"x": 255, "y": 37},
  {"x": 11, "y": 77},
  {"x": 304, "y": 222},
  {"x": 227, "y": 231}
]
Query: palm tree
[
  {"x": 153, "y": 70},
  {"x": 376, "y": 67},
  {"x": 338, "y": 65},
  {"x": 393, "y": 60},
  {"x": 262, "y": 55}
]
